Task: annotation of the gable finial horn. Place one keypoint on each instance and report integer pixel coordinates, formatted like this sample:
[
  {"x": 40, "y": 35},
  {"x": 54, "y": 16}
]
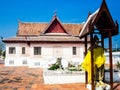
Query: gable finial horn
[
  {"x": 55, "y": 13},
  {"x": 104, "y": 0}
]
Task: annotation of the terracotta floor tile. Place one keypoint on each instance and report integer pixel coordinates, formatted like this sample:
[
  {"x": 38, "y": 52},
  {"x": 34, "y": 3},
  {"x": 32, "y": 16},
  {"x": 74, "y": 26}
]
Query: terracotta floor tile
[
  {"x": 21, "y": 89},
  {"x": 24, "y": 78}
]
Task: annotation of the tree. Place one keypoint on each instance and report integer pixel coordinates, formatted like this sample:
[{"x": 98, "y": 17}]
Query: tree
[
  {"x": 118, "y": 65},
  {"x": 3, "y": 54},
  {"x": 2, "y": 47}
]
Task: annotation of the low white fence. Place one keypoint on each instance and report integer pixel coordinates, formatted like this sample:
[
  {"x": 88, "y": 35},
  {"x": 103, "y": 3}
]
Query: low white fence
[{"x": 63, "y": 77}]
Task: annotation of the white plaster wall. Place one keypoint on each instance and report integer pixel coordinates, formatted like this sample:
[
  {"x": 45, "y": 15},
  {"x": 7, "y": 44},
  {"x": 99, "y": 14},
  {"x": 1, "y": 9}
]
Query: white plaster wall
[
  {"x": 18, "y": 57},
  {"x": 48, "y": 56}
]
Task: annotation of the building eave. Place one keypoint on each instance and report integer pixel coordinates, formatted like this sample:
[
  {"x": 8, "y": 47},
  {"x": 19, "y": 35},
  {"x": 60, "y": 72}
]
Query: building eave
[{"x": 47, "y": 39}]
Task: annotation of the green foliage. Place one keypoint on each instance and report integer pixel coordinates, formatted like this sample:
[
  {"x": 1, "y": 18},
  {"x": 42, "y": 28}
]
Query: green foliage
[
  {"x": 2, "y": 46},
  {"x": 57, "y": 65},
  {"x": 3, "y": 54},
  {"x": 54, "y": 67},
  {"x": 74, "y": 69},
  {"x": 78, "y": 68},
  {"x": 118, "y": 65}
]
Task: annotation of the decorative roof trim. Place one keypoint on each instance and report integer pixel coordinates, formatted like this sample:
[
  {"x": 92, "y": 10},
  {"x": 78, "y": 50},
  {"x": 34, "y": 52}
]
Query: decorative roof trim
[
  {"x": 94, "y": 18},
  {"x": 104, "y": 7},
  {"x": 91, "y": 17},
  {"x": 53, "y": 19}
]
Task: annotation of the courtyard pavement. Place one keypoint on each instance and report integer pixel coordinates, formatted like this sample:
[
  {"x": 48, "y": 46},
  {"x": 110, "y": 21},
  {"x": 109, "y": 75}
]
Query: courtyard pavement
[{"x": 24, "y": 78}]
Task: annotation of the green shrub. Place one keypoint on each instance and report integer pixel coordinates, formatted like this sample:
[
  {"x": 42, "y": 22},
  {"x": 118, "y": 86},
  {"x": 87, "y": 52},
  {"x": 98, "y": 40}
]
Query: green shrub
[
  {"x": 118, "y": 65},
  {"x": 54, "y": 67},
  {"x": 74, "y": 69}
]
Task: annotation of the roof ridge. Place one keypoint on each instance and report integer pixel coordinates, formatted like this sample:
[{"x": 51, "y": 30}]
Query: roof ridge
[
  {"x": 48, "y": 23},
  {"x": 22, "y": 22},
  {"x": 73, "y": 23},
  {"x": 35, "y": 22}
]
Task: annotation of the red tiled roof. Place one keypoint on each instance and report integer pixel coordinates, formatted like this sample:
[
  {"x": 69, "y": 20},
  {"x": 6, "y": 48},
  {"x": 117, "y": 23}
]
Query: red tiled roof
[
  {"x": 73, "y": 29},
  {"x": 42, "y": 32},
  {"x": 31, "y": 29},
  {"x": 35, "y": 29}
]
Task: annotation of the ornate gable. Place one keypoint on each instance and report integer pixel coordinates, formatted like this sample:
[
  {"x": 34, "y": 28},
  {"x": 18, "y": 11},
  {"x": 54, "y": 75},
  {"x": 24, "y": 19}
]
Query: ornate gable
[
  {"x": 55, "y": 27},
  {"x": 102, "y": 21},
  {"x": 104, "y": 18}
]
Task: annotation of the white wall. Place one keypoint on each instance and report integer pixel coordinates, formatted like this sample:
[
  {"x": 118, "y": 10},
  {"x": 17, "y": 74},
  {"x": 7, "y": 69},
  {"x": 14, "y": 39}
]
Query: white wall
[{"x": 50, "y": 52}]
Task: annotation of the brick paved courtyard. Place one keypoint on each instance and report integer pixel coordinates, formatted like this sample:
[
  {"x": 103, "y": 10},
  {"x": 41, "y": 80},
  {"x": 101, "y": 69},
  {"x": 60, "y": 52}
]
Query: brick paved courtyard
[{"x": 23, "y": 78}]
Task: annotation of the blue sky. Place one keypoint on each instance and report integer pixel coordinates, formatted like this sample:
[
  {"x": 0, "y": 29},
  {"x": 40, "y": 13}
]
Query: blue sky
[{"x": 68, "y": 11}]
